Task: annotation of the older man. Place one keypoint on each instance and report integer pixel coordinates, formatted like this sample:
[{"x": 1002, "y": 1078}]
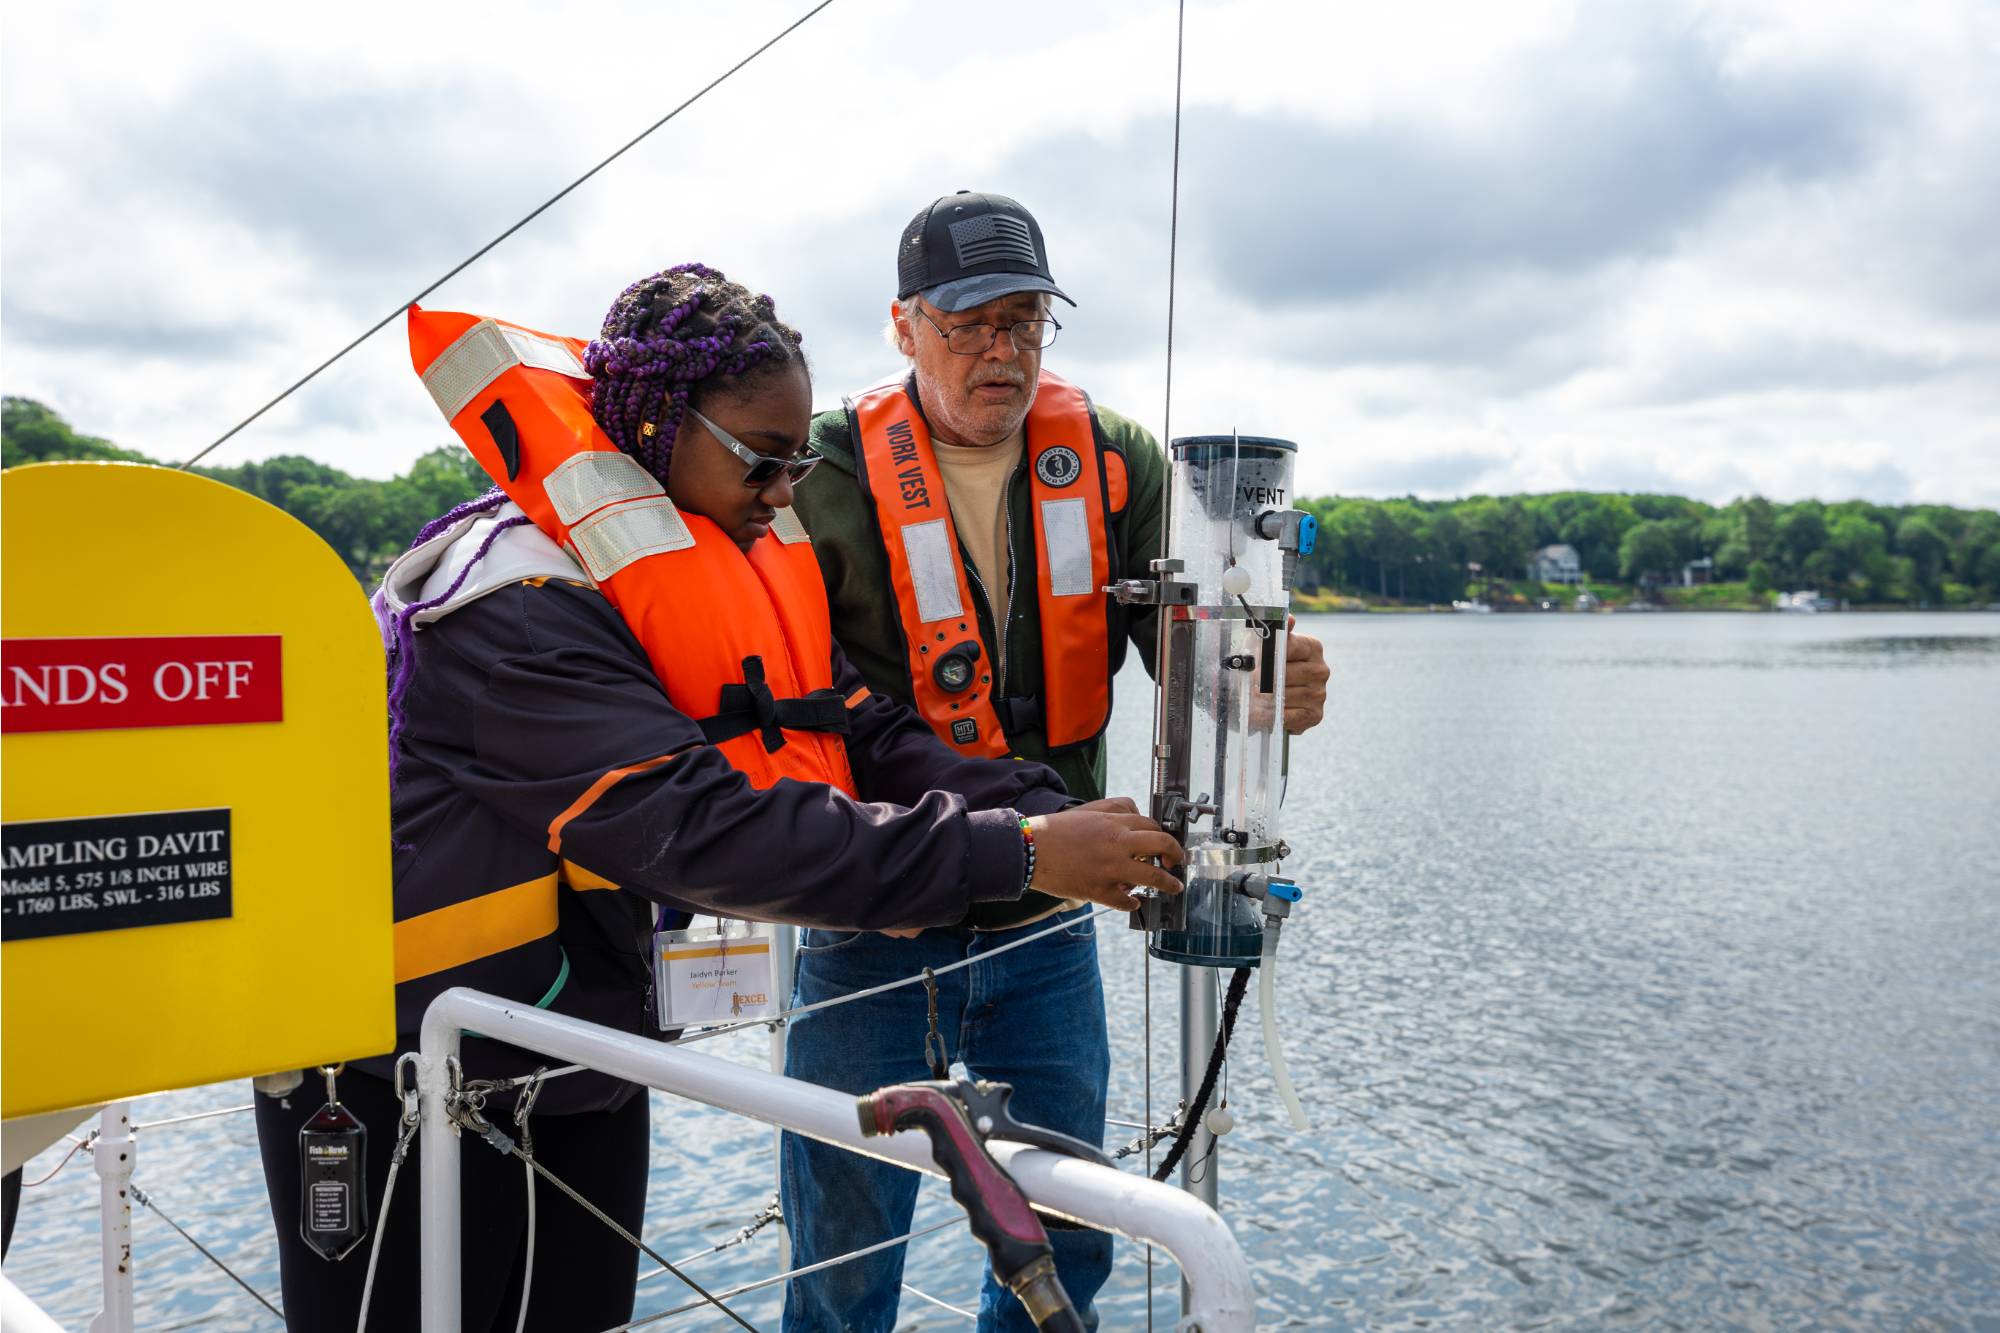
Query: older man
[{"x": 973, "y": 509}]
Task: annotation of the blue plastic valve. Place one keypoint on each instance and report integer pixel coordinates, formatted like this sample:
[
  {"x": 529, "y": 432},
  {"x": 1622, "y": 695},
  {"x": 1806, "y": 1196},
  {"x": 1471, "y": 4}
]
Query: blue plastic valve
[
  {"x": 1308, "y": 533},
  {"x": 1286, "y": 889}
]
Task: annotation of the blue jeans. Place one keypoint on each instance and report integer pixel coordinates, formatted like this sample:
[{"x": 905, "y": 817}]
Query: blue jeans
[{"x": 1033, "y": 1017}]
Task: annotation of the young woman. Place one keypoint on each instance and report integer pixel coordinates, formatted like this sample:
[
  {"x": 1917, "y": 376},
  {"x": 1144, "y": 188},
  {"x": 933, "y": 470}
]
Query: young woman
[{"x": 615, "y": 701}]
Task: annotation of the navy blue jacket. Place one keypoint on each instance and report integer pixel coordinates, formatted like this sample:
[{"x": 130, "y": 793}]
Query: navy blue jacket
[{"x": 531, "y": 698}]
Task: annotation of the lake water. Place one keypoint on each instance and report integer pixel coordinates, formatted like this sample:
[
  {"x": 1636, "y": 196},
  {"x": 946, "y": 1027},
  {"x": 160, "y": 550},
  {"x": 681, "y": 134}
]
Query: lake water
[{"x": 1649, "y": 975}]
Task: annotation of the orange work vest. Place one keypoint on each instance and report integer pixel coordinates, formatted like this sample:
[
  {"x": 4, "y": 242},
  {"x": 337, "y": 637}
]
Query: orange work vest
[
  {"x": 1075, "y": 485},
  {"x": 742, "y": 643}
]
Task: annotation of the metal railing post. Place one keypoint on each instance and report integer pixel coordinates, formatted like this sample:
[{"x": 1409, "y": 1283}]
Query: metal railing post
[
  {"x": 437, "y": 1149},
  {"x": 1198, "y": 1029},
  {"x": 784, "y": 963},
  {"x": 115, "y": 1154}
]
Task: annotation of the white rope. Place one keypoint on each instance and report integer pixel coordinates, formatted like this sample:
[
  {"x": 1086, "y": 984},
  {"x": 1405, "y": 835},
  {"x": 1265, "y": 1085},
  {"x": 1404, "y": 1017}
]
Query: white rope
[
  {"x": 528, "y": 1274},
  {"x": 761, "y": 1283},
  {"x": 198, "y": 1115},
  {"x": 942, "y": 1305}
]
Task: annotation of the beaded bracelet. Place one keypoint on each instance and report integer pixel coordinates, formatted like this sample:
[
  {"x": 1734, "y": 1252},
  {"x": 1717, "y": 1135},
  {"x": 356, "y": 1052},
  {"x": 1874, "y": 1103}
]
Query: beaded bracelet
[{"x": 1027, "y": 854}]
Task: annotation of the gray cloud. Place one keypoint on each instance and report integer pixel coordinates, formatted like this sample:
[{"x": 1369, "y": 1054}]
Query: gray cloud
[
  {"x": 1447, "y": 474},
  {"x": 1572, "y": 172},
  {"x": 1796, "y": 363},
  {"x": 142, "y": 334},
  {"x": 354, "y": 177}
]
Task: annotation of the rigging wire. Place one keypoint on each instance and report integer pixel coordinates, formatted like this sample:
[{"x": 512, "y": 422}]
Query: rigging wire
[
  {"x": 761, "y": 1283},
  {"x": 722, "y": 1030},
  {"x": 1174, "y": 223},
  {"x": 476, "y": 255},
  {"x": 198, "y": 1115},
  {"x": 1166, "y": 433},
  {"x": 140, "y": 1196},
  {"x": 492, "y": 1134}
]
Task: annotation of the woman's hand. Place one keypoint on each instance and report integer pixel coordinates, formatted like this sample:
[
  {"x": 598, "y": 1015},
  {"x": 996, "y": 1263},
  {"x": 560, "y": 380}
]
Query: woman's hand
[{"x": 1101, "y": 851}]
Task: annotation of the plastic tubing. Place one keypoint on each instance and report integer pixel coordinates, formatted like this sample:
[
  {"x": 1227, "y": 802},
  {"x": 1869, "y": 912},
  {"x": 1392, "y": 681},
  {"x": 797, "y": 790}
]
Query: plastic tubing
[{"x": 1267, "y": 1005}]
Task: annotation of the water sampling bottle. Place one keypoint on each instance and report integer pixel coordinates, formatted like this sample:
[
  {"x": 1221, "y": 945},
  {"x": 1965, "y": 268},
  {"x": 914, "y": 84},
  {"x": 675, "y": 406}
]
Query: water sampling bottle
[{"x": 1223, "y": 590}]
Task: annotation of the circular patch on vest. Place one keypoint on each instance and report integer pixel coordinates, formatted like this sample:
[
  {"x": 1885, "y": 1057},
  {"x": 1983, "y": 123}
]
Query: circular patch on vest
[{"x": 1058, "y": 466}]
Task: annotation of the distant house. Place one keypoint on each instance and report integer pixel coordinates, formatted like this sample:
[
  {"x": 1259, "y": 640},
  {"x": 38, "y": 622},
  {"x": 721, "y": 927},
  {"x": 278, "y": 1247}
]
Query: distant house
[
  {"x": 1698, "y": 571},
  {"x": 1555, "y": 564}
]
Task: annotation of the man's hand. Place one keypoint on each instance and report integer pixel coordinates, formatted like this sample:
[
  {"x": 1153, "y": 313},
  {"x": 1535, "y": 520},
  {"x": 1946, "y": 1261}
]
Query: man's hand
[
  {"x": 1100, "y": 851},
  {"x": 1306, "y": 675}
]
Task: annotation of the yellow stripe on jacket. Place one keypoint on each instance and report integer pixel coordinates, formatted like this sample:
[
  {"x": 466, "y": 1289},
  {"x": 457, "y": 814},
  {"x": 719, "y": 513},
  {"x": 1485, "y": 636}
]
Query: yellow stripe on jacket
[{"x": 477, "y": 928}]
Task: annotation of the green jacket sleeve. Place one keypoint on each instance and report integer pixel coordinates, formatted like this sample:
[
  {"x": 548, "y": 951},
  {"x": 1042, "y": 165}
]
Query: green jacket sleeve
[{"x": 1144, "y": 524}]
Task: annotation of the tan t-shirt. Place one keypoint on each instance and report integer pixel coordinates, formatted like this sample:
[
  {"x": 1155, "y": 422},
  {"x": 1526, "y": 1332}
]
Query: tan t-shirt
[{"x": 975, "y": 482}]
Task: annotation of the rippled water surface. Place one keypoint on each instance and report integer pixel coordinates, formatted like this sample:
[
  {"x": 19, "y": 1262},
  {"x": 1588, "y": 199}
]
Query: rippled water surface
[{"x": 1649, "y": 975}]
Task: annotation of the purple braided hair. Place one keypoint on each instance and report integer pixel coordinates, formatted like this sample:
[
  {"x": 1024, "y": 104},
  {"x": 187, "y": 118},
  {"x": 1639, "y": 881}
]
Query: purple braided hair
[{"x": 666, "y": 337}]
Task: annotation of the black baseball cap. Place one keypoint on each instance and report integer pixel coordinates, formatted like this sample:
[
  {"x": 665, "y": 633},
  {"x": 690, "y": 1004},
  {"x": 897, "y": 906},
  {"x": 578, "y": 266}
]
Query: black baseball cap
[{"x": 966, "y": 249}]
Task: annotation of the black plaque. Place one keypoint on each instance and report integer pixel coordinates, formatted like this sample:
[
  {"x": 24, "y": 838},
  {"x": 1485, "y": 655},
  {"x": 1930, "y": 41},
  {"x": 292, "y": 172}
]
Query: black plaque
[{"x": 75, "y": 876}]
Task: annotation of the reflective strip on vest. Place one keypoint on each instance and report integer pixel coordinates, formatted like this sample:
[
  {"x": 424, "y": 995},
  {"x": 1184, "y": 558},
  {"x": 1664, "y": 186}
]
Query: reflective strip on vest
[
  {"x": 1068, "y": 471},
  {"x": 486, "y": 351},
  {"x": 585, "y": 483},
  {"x": 611, "y": 539},
  {"x": 1066, "y": 548},
  {"x": 788, "y": 527},
  {"x": 932, "y": 550}
]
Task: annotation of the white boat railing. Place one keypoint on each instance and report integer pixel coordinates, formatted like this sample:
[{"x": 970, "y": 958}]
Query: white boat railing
[{"x": 1221, "y": 1297}]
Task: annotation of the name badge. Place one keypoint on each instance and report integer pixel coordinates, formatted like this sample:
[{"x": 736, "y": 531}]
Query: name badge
[{"x": 714, "y": 974}]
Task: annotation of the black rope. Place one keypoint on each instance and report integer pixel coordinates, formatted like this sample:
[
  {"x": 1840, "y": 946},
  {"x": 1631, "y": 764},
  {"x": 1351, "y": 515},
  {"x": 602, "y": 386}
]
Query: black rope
[
  {"x": 1239, "y": 983},
  {"x": 546, "y": 204}
]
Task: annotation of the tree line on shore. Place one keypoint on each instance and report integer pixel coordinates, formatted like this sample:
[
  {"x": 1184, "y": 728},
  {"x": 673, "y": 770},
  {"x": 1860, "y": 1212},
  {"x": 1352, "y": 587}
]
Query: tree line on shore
[
  {"x": 1418, "y": 551},
  {"x": 1424, "y": 550}
]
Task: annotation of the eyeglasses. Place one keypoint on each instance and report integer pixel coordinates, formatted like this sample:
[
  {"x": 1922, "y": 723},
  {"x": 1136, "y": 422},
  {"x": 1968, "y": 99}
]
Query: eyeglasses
[
  {"x": 764, "y": 468},
  {"x": 1029, "y": 335}
]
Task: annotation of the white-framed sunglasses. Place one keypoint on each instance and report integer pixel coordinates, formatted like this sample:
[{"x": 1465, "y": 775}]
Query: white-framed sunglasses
[{"x": 762, "y": 469}]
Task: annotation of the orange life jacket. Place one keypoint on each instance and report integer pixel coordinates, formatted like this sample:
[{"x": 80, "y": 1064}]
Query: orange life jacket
[
  {"x": 742, "y": 643},
  {"x": 1076, "y": 484}
]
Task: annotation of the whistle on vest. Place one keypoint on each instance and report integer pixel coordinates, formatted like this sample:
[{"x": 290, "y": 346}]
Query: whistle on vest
[{"x": 1223, "y": 590}]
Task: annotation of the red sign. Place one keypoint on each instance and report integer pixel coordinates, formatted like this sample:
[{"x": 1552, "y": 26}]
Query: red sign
[{"x": 100, "y": 684}]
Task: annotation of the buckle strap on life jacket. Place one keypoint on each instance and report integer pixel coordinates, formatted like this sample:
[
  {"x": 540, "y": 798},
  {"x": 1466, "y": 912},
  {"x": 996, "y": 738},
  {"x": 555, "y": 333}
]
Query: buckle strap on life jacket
[
  {"x": 752, "y": 707},
  {"x": 1019, "y": 715}
]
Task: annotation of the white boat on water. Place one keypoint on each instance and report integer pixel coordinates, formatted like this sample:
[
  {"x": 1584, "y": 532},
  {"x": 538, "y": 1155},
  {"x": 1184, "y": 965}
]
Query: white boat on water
[{"x": 1475, "y": 607}]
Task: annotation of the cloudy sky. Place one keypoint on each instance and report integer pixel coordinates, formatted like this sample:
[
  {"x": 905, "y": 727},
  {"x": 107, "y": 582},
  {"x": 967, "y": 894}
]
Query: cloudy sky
[{"x": 1447, "y": 246}]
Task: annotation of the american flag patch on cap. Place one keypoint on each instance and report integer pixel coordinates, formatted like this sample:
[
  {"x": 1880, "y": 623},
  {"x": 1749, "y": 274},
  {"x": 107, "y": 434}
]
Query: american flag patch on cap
[{"x": 993, "y": 237}]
